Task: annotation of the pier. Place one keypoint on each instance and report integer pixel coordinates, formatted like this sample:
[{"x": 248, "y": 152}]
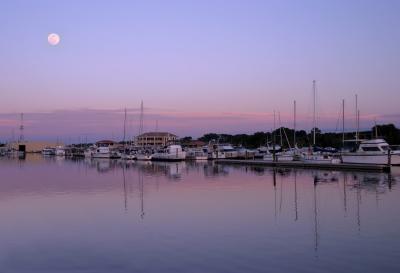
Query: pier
[{"x": 303, "y": 165}]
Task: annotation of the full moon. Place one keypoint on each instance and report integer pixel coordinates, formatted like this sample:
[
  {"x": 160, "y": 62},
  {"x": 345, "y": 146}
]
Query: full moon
[{"x": 53, "y": 39}]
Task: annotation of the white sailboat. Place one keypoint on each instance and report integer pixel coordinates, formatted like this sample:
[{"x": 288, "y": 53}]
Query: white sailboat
[
  {"x": 275, "y": 153},
  {"x": 311, "y": 156},
  {"x": 127, "y": 153},
  {"x": 143, "y": 154}
]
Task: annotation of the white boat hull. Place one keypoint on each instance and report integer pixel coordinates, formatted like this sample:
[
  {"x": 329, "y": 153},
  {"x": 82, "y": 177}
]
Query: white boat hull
[
  {"x": 215, "y": 155},
  {"x": 168, "y": 157},
  {"x": 100, "y": 155},
  {"x": 143, "y": 157},
  {"x": 319, "y": 159},
  {"x": 128, "y": 157},
  {"x": 378, "y": 159}
]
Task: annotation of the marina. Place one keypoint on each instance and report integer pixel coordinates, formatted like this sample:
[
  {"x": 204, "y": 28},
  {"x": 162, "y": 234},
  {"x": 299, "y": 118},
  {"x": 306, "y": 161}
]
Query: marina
[{"x": 199, "y": 136}]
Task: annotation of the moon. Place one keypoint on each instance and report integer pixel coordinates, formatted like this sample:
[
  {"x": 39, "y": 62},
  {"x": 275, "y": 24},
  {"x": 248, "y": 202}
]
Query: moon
[{"x": 53, "y": 39}]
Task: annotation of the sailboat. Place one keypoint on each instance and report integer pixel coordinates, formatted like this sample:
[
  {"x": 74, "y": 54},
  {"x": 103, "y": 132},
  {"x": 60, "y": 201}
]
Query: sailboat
[
  {"x": 314, "y": 157},
  {"x": 143, "y": 154},
  {"x": 127, "y": 154},
  {"x": 276, "y": 153}
]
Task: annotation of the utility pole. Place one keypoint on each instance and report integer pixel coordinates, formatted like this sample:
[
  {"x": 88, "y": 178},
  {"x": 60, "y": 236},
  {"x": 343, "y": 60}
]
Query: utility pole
[{"x": 21, "y": 129}]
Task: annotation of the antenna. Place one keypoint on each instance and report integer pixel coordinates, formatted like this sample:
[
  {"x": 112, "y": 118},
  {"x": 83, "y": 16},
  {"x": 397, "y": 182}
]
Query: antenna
[{"x": 21, "y": 129}]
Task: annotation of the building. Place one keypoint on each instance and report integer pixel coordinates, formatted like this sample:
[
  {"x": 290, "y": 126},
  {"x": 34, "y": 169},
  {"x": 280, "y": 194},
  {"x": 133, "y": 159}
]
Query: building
[
  {"x": 32, "y": 146},
  {"x": 155, "y": 139}
]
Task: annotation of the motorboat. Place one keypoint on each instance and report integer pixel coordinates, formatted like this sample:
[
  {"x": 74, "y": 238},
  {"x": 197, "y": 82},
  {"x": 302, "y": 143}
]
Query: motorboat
[
  {"x": 60, "y": 151},
  {"x": 228, "y": 150},
  {"x": 49, "y": 151},
  {"x": 196, "y": 154},
  {"x": 244, "y": 153},
  {"x": 170, "y": 153},
  {"x": 106, "y": 149},
  {"x": 374, "y": 151},
  {"x": 105, "y": 152}
]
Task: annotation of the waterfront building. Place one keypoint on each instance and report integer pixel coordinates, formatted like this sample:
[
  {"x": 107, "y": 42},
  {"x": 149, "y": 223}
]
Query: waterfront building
[
  {"x": 155, "y": 139},
  {"x": 32, "y": 146}
]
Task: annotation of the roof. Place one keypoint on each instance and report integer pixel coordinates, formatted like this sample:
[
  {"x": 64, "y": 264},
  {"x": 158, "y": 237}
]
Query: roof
[{"x": 157, "y": 134}]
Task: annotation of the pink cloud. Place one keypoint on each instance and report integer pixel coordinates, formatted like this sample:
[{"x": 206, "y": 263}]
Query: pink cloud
[{"x": 76, "y": 125}]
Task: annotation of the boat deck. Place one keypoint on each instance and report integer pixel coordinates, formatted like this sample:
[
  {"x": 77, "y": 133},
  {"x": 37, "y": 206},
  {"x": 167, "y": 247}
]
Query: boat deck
[{"x": 304, "y": 165}]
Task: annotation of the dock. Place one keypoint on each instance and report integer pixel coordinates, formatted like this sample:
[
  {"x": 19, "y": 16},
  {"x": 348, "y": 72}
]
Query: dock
[{"x": 304, "y": 165}]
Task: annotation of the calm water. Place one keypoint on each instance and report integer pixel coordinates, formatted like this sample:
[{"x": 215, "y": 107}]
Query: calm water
[{"x": 107, "y": 216}]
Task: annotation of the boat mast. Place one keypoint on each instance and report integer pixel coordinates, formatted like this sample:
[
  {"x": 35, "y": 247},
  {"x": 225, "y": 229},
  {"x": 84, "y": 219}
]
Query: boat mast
[
  {"x": 273, "y": 138},
  {"x": 294, "y": 123},
  {"x": 343, "y": 122},
  {"x": 141, "y": 119},
  {"x": 357, "y": 125},
  {"x": 124, "y": 127},
  {"x": 280, "y": 128},
  {"x": 273, "y": 130},
  {"x": 314, "y": 119}
]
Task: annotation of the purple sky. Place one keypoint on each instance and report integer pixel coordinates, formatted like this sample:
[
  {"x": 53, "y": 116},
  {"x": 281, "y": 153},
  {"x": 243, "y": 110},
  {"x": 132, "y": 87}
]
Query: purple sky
[{"x": 199, "y": 66}]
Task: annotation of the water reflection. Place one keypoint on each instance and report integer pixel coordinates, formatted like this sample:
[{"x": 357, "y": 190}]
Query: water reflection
[{"x": 194, "y": 217}]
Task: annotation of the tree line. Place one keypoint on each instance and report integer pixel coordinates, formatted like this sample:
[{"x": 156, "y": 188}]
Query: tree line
[{"x": 285, "y": 136}]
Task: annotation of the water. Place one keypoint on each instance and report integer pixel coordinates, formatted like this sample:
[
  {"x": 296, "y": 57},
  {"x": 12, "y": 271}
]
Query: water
[{"x": 107, "y": 216}]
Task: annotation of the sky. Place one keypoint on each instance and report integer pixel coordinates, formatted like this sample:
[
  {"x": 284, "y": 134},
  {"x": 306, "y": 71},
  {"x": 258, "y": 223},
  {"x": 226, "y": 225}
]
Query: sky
[{"x": 199, "y": 66}]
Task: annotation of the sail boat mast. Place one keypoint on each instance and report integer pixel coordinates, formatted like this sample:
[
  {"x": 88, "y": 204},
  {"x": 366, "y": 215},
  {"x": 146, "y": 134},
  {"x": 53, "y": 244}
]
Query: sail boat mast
[
  {"x": 124, "y": 127},
  {"x": 294, "y": 123},
  {"x": 141, "y": 119},
  {"x": 357, "y": 126},
  {"x": 314, "y": 112},
  {"x": 343, "y": 122}
]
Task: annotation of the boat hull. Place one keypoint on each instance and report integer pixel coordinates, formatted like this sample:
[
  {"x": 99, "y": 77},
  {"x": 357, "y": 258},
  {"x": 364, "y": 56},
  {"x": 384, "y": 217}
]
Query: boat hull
[
  {"x": 378, "y": 159},
  {"x": 167, "y": 158},
  {"x": 141, "y": 157},
  {"x": 319, "y": 159}
]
